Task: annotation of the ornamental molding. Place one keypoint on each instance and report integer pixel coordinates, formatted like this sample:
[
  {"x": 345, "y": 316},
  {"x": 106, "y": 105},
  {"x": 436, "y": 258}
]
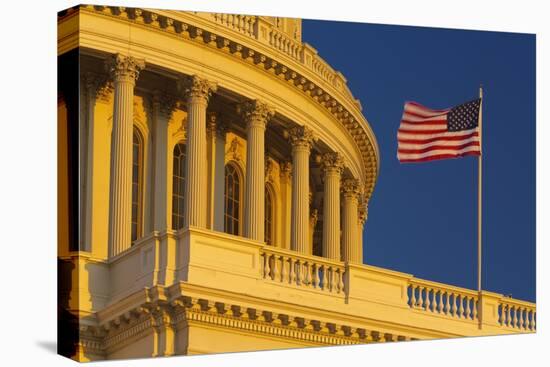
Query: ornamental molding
[
  {"x": 332, "y": 162},
  {"x": 124, "y": 68},
  {"x": 234, "y": 150},
  {"x": 300, "y": 136},
  {"x": 255, "y": 113},
  {"x": 351, "y": 187},
  {"x": 161, "y": 312},
  {"x": 327, "y": 87},
  {"x": 196, "y": 87},
  {"x": 164, "y": 104}
]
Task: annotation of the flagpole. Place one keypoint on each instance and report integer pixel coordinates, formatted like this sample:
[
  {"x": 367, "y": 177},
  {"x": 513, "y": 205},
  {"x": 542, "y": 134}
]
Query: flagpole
[{"x": 479, "y": 190}]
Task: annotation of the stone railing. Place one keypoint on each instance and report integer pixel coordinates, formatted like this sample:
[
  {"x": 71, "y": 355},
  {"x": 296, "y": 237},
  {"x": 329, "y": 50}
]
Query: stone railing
[
  {"x": 244, "y": 24},
  {"x": 285, "y": 44},
  {"x": 255, "y": 27},
  {"x": 516, "y": 314},
  {"x": 442, "y": 299},
  {"x": 291, "y": 268}
]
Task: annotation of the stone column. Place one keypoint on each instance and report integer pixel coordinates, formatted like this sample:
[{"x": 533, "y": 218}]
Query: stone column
[
  {"x": 332, "y": 165},
  {"x": 124, "y": 71},
  {"x": 301, "y": 139},
  {"x": 363, "y": 214},
  {"x": 219, "y": 176},
  {"x": 197, "y": 92},
  {"x": 286, "y": 200},
  {"x": 163, "y": 106},
  {"x": 256, "y": 114},
  {"x": 350, "y": 239}
]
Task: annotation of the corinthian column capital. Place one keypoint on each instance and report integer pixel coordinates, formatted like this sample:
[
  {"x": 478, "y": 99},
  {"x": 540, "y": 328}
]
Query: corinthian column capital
[
  {"x": 124, "y": 68},
  {"x": 332, "y": 162},
  {"x": 197, "y": 88},
  {"x": 255, "y": 112},
  {"x": 301, "y": 136},
  {"x": 363, "y": 214},
  {"x": 351, "y": 188},
  {"x": 163, "y": 103}
]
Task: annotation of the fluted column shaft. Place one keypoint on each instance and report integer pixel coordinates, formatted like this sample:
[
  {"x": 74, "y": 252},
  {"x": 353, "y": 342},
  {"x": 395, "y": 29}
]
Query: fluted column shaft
[
  {"x": 301, "y": 139},
  {"x": 197, "y": 92},
  {"x": 124, "y": 71},
  {"x": 363, "y": 213},
  {"x": 162, "y": 110},
  {"x": 286, "y": 190},
  {"x": 332, "y": 165},
  {"x": 350, "y": 239},
  {"x": 256, "y": 115}
]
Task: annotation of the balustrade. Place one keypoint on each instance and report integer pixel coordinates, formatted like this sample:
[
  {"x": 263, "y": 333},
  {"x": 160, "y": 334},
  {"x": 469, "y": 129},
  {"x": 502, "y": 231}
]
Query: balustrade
[
  {"x": 517, "y": 315},
  {"x": 303, "y": 271},
  {"x": 449, "y": 301}
]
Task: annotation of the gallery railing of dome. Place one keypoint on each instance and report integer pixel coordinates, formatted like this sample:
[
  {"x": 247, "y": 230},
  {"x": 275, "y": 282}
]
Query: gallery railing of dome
[{"x": 295, "y": 49}]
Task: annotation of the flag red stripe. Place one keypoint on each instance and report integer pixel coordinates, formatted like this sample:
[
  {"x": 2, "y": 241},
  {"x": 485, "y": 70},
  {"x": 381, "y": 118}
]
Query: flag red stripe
[
  {"x": 436, "y": 147},
  {"x": 442, "y": 122},
  {"x": 446, "y": 138},
  {"x": 439, "y": 156},
  {"x": 416, "y": 114},
  {"x": 422, "y": 132},
  {"x": 416, "y": 104}
]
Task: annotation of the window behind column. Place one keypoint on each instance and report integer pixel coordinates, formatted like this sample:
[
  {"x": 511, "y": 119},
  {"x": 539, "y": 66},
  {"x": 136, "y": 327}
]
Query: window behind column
[
  {"x": 269, "y": 215},
  {"x": 178, "y": 186},
  {"x": 232, "y": 199},
  {"x": 137, "y": 184}
]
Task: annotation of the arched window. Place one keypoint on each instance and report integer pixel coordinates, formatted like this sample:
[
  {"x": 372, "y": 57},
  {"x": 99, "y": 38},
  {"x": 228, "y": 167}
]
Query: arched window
[
  {"x": 232, "y": 200},
  {"x": 178, "y": 186},
  {"x": 269, "y": 215},
  {"x": 137, "y": 184}
]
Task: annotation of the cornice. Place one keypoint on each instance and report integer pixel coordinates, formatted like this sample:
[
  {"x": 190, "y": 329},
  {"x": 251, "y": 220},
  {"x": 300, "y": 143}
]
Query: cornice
[
  {"x": 304, "y": 70},
  {"x": 164, "y": 312}
]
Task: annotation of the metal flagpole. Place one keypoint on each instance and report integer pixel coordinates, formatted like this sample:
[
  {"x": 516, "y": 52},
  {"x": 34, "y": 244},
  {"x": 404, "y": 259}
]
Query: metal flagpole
[{"x": 479, "y": 190}]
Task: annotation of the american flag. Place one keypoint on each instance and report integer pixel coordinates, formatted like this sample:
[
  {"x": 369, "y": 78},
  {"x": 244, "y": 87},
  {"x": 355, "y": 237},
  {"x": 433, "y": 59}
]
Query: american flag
[{"x": 425, "y": 134}]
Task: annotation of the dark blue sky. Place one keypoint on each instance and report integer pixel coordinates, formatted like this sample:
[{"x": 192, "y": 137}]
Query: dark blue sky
[{"x": 423, "y": 217}]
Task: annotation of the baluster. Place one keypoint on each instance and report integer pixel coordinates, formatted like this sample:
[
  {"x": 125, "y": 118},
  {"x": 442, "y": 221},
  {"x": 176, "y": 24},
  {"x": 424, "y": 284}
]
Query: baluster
[
  {"x": 284, "y": 272},
  {"x": 276, "y": 273},
  {"x": 315, "y": 277},
  {"x": 341, "y": 280},
  {"x": 440, "y": 301},
  {"x": 454, "y": 308},
  {"x": 522, "y": 314},
  {"x": 427, "y": 304},
  {"x": 474, "y": 308},
  {"x": 413, "y": 296},
  {"x": 292, "y": 276},
  {"x": 307, "y": 273},
  {"x": 461, "y": 306},
  {"x": 508, "y": 315},
  {"x": 334, "y": 279},
  {"x": 515, "y": 320},
  {"x": 267, "y": 270},
  {"x": 533, "y": 315},
  {"x": 419, "y": 299},
  {"x": 534, "y": 323},
  {"x": 447, "y": 303},
  {"x": 502, "y": 319},
  {"x": 299, "y": 272}
]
